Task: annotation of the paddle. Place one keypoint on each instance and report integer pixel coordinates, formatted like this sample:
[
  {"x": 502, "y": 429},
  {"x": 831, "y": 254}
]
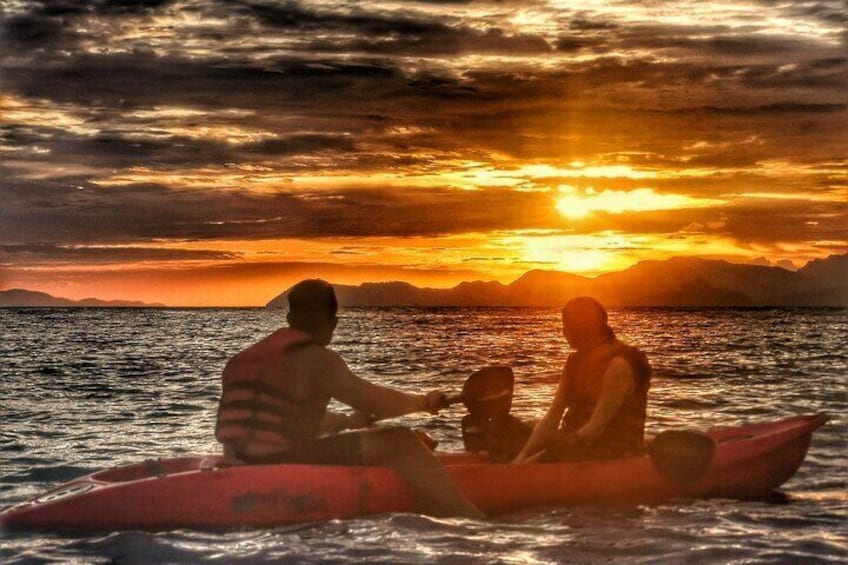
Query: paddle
[
  {"x": 487, "y": 392},
  {"x": 682, "y": 455}
]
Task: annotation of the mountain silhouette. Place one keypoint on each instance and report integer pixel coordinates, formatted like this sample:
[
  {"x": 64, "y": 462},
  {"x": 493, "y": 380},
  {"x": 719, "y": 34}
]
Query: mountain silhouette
[
  {"x": 680, "y": 281},
  {"x": 18, "y": 297}
]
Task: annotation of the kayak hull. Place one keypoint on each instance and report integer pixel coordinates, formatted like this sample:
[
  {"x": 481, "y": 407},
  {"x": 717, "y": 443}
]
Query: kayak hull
[{"x": 195, "y": 492}]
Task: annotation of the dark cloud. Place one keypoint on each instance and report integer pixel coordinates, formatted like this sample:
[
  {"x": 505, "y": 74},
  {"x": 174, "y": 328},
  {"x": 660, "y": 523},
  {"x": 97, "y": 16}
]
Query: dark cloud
[
  {"x": 291, "y": 15},
  {"x": 53, "y": 254},
  {"x": 777, "y": 108},
  {"x": 749, "y": 222},
  {"x": 447, "y": 43},
  {"x": 582, "y": 24},
  {"x": 572, "y": 44},
  {"x": 705, "y": 41},
  {"x": 62, "y": 212},
  {"x": 110, "y": 149},
  {"x": 50, "y": 26},
  {"x": 121, "y": 82},
  {"x": 380, "y": 33},
  {"x": 118, "y": 149},
  {"x": 35, "y": 31},
  {"x": 300, "y": 144},
  {"x": 832, "y": 12},
  {"x": 95, "y": 7},
  {"x": 801, "y": 220}
]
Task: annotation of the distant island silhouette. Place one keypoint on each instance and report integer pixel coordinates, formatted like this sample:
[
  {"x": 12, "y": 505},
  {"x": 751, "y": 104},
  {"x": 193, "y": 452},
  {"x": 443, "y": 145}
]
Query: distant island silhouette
[
  {"x": 679, "y": 281},
  {"x": 20, "y": 298}
]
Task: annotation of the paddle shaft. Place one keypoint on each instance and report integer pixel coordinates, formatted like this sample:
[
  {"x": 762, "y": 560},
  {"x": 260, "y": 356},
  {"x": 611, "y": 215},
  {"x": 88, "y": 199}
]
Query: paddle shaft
[
  {"x": 494, "y": 385},
  {"x": 456, "y": 398}
]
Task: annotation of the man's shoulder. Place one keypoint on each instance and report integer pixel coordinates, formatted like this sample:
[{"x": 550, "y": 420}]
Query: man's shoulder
[
  {"x": 314, "y": 355},
  {"x": 633, "y": 355},
  {"x": 311, "y": 350},
  {"x": 620, "y": 365}
]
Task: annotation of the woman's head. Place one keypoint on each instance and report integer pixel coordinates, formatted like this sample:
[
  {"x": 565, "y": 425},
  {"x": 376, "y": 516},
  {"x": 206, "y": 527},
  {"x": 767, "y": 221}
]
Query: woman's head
[{"x": 584, "y": 322}]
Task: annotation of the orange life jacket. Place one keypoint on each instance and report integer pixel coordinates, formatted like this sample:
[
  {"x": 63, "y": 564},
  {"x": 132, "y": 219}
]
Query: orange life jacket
[
  {"x": 584, "y": 374},
  {"x": 262, "y": 402}
]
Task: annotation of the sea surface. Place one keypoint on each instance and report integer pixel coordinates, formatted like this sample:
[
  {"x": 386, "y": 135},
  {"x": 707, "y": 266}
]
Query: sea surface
[{"x": 87, "y": 389}]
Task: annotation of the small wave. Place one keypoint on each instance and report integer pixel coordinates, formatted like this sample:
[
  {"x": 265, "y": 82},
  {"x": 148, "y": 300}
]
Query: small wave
[
  {"x": 680, "y": 375},
  {"x": 52, "y": 474}
]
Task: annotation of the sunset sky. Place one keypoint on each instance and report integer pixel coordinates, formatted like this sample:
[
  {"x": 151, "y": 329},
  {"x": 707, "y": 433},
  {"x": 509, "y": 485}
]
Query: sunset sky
[{"x": 213, "y": 153}]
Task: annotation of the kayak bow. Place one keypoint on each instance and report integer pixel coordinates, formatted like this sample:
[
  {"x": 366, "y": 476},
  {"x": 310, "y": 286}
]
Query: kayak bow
[{"x": 197, "y": 492}]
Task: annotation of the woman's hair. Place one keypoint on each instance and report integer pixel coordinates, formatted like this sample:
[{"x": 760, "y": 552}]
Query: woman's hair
[{"x": 585, "y": 310}]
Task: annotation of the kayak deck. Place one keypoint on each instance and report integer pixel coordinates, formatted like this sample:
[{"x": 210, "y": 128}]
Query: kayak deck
[{"x": 198, "y": 492}]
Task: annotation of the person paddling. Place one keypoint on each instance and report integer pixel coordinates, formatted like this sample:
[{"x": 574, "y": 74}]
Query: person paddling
[
  {"x": 602, "y": 392},
  {"x": 273, "y": 407}
]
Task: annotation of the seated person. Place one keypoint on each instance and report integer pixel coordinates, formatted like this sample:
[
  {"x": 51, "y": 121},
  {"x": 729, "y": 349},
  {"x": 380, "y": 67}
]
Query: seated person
[
  {"x": 500, "y": 437},
  {"x": 489, "y": 427},
  {"x": 602, "y": 394},
  {"x": 273, "y": 407}
]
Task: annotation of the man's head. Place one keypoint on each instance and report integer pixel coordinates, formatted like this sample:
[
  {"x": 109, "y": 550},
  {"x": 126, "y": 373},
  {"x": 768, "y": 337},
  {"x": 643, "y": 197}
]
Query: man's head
[
  {"x": 312, "y": 309},
  {"x": 584, "y": 323}
]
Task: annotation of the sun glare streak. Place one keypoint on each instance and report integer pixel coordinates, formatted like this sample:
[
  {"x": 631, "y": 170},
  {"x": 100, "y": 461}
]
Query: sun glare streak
[
  {"x": 580, "y": 254},
  {"x": 574, "y": 205},
  {"x": 579, "y": 169},
  {"x": 462, "y": 174},
  {"x": 605, "y": 251},
  {"x": 839, "y": 195}
]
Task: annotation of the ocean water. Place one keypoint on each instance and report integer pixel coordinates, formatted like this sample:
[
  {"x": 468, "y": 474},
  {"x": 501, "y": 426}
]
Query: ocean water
[{"x": 87, "y": 389}]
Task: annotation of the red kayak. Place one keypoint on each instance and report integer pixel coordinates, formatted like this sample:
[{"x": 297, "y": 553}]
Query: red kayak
[{"x": 195, "y": 492}]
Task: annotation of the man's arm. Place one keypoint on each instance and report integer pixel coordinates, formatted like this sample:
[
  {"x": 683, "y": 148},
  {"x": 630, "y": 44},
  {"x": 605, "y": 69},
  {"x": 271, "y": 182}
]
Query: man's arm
[
  {"x": 619, "y": 382},
  {"x": 330, "y": 372},
  {"x": 545, "y": 430}
]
